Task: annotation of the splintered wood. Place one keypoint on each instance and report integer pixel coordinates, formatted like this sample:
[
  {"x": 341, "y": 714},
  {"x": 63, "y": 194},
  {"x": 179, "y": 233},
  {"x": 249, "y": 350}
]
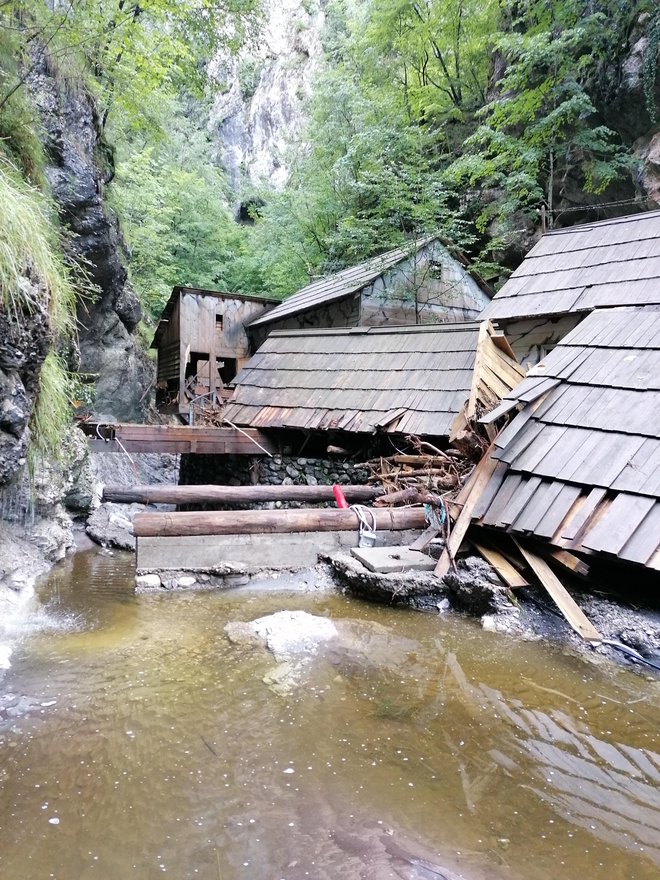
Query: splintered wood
[{"x": 399, "y": 474}]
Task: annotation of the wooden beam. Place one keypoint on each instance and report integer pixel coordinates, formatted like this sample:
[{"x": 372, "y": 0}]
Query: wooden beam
[
  {"x": 425, "y": 538},
  {"x": 510, "y": 575},
  {"x": 166, "y": 494},
  {"x": 571, "y": 562},
  {"x": 129, "y": 438},
  {"x": 241, "y": 522},
  {"x": 477, "y": 483},
  {"x": 575, "y": 618}
]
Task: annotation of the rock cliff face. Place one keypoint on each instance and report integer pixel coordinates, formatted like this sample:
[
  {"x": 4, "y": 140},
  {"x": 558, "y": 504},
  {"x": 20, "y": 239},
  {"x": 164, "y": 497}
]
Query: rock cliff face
[
  {"x": 24, "y": 341},
  {"x": 79, "y": 165},
  {"x": 261, "y": 110}
]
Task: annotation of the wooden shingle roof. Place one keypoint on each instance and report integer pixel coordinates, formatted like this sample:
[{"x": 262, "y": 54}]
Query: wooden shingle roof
[
  {"x": 408, "y": 380},
  {"x": 580, "y": 464},
  {"x": 340, "y": 285},
  {"x": 597, "y": 265}
]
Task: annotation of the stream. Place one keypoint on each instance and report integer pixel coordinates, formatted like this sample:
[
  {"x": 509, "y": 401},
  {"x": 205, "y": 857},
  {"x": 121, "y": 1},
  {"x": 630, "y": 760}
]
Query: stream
[{"x": 146, "y": 743}]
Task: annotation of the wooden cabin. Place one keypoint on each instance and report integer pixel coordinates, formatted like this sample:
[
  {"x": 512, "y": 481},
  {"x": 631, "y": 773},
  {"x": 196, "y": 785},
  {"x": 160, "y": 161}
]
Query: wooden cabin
[
  {"x": 569, "y": 273},
  {"x": 202, "y": 343},
  {"x": 421, "y": 283}
]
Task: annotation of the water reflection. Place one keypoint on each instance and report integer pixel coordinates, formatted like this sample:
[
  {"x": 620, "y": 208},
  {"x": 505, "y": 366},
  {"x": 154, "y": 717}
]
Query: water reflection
[{"x": 409, "y": 747}]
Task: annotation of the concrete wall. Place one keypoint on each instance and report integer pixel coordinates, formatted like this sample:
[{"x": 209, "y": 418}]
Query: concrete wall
[{"x": 250, "y": 554}]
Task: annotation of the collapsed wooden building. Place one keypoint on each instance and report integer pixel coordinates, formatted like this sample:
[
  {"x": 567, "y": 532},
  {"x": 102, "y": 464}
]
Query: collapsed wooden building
[
  {"x": 368, "y": 382},
  {"x": 578, "y": 467},
  {"x": 569, "y": 273}
]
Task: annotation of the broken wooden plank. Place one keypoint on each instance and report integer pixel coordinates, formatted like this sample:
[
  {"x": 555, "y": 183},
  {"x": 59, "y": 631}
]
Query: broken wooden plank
[
  {"x": 570, "y": 562},
  {"x": 478, "y": 482},
  {"x": 575, "y": 617},
  {"x": 510, "y": 575},
  {"x": 425, "y": 538}
]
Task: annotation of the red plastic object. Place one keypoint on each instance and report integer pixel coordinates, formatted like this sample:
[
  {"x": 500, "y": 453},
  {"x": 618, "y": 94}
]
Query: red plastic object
[{"x": 339, "y": 496}]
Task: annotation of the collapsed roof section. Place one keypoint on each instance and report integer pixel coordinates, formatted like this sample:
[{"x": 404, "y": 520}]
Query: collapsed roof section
[
  {"x": 606, "y": 264},
  {"x": 579, "y": 466},
  {"x": 424, "y": 380}
]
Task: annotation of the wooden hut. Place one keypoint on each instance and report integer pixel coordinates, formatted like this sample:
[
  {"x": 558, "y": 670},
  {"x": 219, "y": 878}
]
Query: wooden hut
[
  {"x": 579, "y": 465},
  {"x": 202, "y": 344}
]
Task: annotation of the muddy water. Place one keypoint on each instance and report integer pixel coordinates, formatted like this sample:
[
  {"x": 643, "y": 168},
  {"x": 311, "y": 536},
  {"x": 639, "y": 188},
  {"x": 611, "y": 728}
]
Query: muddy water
[{"x": 419, "y": 747}]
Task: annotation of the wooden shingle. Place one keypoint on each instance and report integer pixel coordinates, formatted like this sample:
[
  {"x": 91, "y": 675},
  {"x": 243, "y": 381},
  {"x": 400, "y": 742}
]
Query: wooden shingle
[
  {"x": 587, "y": 452},
  {"x": 352, "y": 379}
]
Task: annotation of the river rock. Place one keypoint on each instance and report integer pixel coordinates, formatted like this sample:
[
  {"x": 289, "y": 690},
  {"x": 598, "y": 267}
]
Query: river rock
[
  {"x": 286, "y": 634},
  {"x": 111, "y": 525},
  {"x": 147, "y": 582}
]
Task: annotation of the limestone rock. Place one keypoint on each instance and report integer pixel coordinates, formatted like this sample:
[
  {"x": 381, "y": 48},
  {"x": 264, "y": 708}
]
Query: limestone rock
[
  {"x": 111, "y": 525},
  {"x": 79, "y": 164}
]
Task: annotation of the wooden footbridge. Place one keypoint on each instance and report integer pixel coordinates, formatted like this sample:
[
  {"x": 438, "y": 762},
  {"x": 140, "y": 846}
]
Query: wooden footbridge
[{"x": 129, "y": 438}]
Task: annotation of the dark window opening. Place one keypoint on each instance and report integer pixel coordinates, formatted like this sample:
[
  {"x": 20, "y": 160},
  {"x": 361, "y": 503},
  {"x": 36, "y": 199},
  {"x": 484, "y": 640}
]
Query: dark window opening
[{"x": 227, "y": 370}]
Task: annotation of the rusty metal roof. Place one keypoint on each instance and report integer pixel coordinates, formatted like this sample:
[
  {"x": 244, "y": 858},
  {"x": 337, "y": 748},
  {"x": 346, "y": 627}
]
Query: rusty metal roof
[
  {"x": 582, "y": 469},
  {"x": 596, "y": 265},
  {"x": 412, "y": 380}
]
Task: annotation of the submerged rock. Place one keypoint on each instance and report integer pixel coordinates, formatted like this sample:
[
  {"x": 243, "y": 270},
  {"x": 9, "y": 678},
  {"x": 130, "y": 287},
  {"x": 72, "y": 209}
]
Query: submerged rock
[{"x": 286, "y": 634}]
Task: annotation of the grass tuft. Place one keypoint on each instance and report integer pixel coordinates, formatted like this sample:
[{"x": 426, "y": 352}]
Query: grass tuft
[
  {"x": 29, "y": 250},
  {"x": 51, "y": 417}
]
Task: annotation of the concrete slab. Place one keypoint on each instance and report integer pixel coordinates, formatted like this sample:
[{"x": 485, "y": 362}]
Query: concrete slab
[
  {"x": 251, "y": 552},
  {"x": 384, "y": 560}
]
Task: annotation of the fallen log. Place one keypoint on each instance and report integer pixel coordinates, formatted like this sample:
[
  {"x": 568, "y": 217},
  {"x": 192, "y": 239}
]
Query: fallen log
[
  {"x": 242, "y": 522},
  {"x": 163, "y": 494}
]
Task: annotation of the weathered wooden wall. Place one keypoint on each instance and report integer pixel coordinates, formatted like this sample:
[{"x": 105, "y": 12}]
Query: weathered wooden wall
[{"x": 533, "y": 338}]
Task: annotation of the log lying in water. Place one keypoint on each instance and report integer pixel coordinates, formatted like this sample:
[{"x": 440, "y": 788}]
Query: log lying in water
[
  {"x": 245, "y": 522},
  {"x": 163, "y": 494}
]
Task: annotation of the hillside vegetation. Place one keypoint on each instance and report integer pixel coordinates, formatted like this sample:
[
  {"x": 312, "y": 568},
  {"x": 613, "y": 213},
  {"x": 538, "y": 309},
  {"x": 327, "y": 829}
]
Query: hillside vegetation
[{"x": 479, "y": 118}]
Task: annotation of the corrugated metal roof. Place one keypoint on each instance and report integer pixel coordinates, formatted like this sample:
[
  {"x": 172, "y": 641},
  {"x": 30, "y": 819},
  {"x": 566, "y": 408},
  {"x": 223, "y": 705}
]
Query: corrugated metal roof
[
  {"x": 358, "y": 379},
  {"x": 582, "y": 468},
  {"x": 609, "y": 263}
]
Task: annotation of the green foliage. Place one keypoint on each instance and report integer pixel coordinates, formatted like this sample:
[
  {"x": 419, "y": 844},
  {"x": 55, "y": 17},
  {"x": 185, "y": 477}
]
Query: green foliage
[
  {"x": 127, "y": 53},
  {"x": 541, "y": 130},
  {"x": 29, "y": 249},
  {"x": 173, "y": 204},
  {"x": 51, "y": 417},
  {"x": 652, "y": 66},
  {"x": 249, "y": 74}
]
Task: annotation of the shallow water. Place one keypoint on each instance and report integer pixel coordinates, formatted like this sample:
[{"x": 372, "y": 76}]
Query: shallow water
[{"x": 418, "y": 747}]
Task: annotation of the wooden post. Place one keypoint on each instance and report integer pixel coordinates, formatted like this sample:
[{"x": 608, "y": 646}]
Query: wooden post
[
  {"x": 230, "y": 495},
  {"x": 242, "y": 522},
  {"x": 575, "y": 618}
]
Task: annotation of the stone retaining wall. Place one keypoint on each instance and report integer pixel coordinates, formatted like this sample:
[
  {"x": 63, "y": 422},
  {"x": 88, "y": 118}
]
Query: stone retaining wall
[{"x": 287, "y": 470}]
